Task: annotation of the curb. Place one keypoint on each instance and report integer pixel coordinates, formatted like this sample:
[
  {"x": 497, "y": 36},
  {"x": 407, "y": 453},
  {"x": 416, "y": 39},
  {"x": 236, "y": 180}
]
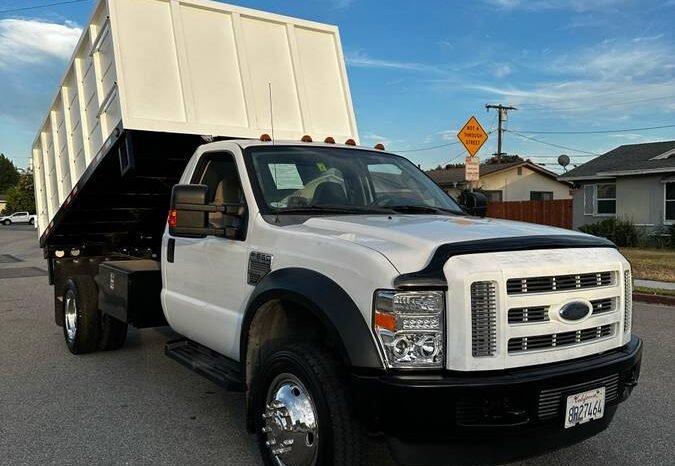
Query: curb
[{"x": 654, "y": 299}]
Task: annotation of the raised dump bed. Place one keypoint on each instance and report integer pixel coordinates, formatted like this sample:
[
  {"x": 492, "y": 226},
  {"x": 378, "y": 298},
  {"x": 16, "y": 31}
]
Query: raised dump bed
[{"x": 147, "y": 79}]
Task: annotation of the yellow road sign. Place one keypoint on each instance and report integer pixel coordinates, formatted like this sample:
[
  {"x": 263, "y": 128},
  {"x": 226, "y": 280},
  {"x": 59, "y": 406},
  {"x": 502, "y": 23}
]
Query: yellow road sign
[{"x": 472, "y": 135}]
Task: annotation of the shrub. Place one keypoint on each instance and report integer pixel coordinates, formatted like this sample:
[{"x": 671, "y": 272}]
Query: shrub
[{"x": 622, "y": 232}]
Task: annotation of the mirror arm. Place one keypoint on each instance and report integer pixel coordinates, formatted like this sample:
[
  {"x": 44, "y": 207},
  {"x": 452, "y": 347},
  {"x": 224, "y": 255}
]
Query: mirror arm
[{"x": 229, "y": 209}]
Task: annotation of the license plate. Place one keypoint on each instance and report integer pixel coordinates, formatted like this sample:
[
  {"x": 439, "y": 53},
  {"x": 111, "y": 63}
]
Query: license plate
[{"x": 584, "y": 407}]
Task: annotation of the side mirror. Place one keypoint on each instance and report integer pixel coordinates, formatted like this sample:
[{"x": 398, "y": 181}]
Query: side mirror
[
  {"x": 189, "y": 214},
  {"x": 475, "y": 203}
]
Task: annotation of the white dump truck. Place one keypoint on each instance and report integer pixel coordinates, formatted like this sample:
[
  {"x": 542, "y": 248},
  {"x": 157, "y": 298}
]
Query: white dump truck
[{"x": 199, "y": 167}]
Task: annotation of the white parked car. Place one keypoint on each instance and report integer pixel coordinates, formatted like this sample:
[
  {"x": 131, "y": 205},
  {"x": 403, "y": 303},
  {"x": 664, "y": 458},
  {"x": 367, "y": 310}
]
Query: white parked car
[{"x": 18, "y": 217}]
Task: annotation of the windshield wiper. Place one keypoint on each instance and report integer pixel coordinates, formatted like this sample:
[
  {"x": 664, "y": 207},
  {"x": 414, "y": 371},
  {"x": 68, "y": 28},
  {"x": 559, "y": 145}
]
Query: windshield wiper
[
  {"x": 330, "y": 210},
  {"x": 421, "y": 209}
]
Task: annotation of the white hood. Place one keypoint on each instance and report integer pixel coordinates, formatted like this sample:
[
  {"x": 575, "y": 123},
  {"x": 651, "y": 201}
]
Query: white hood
[{"x": 408, "y": 241}]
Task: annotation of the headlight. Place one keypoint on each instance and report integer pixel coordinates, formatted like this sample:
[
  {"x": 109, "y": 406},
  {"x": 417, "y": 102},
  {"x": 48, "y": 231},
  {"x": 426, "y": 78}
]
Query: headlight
[{"x": 409, "y": 328}]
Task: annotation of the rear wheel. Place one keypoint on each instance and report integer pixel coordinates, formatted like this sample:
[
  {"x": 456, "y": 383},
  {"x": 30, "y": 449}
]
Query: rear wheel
[
  {"x": 303, "y": 412},
  {"x": 32, "y": 221},
  {"x": 7, "y": 222},
  {"x": 113, "y": 333},
  {"x": 80, "y": 314}
]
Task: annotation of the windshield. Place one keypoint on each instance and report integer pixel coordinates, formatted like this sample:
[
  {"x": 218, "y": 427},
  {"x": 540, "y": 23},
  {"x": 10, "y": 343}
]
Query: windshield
[{"x": 294, "y": 179}]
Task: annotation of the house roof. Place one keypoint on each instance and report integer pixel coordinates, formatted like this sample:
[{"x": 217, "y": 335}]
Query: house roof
[
  {"x": 629, "y": 159},
  {"x": 453, "y": 175}
]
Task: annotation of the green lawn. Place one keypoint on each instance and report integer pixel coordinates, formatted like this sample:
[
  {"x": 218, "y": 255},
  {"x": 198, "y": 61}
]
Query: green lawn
[{"x": 652, "y": 264}]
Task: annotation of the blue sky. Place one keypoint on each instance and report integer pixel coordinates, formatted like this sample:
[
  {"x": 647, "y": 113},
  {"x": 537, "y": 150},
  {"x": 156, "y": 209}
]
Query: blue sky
[{"x": 419, "y": 69}]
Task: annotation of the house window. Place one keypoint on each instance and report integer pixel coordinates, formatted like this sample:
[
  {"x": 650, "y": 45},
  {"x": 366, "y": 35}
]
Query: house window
[
  {"x": 493, "y": 195},
  {"x": 605, "y": 199},
  {"x": 520, "y": 171},
  {"x": 670, "y": 202},
  {"x": 541, "y": 195}
]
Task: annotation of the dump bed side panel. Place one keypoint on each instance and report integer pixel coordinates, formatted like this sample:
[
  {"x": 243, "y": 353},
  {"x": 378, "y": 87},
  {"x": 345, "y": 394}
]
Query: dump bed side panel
[{"x": 83, "y": 115}]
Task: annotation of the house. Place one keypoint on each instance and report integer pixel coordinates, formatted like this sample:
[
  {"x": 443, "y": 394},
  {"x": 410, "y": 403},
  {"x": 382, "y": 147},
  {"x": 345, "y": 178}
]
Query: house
[
  {"x": 3, "y": 202},
  {"x": 634, "y": 182},
  {"x": 514, "y": 181}
]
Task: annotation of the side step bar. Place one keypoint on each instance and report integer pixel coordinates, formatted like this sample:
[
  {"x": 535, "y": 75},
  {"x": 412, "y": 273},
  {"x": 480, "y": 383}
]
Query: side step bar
[{"x": 214, "y": 366}]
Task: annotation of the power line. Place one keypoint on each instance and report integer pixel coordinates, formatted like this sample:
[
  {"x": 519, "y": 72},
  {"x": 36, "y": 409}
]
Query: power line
[
  {"x": 560, "y": 146},
  {"x": 605, "y": 131},
  {"x": 428, "y": 148},
  {"x": 34, "y": 7},
  {"x": 454, "y": 143}
]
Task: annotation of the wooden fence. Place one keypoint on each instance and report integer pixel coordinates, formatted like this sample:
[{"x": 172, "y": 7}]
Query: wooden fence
[{"x": 557, "y": 213}]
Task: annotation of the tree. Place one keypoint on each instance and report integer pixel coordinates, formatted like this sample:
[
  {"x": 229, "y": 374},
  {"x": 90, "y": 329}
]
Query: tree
[
  {"x": 9, "y": 175},
  {"x": 504, "y": 159},
  {"x": 22, "y": 196}
]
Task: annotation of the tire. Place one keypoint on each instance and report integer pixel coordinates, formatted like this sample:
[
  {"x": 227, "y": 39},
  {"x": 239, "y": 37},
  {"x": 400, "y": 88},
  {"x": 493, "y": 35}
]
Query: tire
[
  {"x": 81, "y": 317},
  {"x": 113, "y": 333},
  {"x": 300, "y": 373},
  {"x": 32, "y": 221},
  {"x": 7, "y": 222}
]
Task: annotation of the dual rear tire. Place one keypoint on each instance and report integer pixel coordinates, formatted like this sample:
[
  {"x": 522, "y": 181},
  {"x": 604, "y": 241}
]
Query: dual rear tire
[{"x": 85, "y": 328}]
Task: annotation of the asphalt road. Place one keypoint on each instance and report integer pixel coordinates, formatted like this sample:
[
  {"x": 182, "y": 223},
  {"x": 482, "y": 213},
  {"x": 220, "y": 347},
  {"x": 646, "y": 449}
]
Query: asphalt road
[{"x": 136, "y": 406}]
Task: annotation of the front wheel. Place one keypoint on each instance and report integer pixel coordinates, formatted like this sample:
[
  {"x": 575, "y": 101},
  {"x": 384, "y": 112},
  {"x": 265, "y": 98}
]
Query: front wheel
[{"x": 303, "y": 411}]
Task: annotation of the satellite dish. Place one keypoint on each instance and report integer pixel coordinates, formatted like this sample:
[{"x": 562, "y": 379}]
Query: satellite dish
[{"x": 564, "y": 160}]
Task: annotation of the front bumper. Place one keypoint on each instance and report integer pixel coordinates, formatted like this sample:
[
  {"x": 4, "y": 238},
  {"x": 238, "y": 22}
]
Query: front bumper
[{"x": 492, "y": 416}]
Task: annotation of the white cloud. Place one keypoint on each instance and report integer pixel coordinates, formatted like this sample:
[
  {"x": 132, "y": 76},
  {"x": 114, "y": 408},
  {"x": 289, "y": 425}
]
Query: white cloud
[
  {"x": 32, "y": 41},
  {"x": 501, "y": 70},
  {"x": 362, "y": 60},
  {"x": 628, "y": 76}
]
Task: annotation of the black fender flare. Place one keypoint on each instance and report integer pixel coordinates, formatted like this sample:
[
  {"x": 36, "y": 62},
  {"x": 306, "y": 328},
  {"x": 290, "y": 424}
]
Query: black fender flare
[{"x": 327, "y": 301}]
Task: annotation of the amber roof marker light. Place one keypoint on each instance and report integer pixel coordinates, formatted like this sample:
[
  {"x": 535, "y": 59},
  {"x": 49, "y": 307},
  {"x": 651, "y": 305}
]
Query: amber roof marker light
[
  {"x": 379, "y": 146},
  {"x": 350, "y": 142},
  {"x": 265, "y": 137},
  {"x": 329, "y": 140},
  {"x": 306, "y": 138}
]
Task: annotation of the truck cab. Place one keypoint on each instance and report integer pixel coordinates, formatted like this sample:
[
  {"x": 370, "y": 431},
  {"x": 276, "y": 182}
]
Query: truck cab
[{"x": 354, "y": 256}]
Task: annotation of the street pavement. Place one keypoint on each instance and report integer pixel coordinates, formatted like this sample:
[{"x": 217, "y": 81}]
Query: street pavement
[{"x": 136, "y": 406}]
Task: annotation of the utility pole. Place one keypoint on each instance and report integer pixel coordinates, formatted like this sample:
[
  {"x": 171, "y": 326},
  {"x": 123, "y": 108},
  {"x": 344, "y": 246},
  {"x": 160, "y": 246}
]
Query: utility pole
[{"x": 502, "y": 109}]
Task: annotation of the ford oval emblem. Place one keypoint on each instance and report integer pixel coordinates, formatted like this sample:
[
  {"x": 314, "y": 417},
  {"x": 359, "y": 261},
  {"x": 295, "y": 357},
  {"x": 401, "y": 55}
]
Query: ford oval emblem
[{"x": 576, "y": 310}]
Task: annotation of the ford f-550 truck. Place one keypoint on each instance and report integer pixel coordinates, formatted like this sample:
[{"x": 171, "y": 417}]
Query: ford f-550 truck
[{"x": 336, "y": 285}]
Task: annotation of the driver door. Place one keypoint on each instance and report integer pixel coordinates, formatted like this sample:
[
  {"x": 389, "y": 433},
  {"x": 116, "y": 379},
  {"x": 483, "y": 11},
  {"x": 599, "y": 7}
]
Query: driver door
[{"x": 206, "y": 282}]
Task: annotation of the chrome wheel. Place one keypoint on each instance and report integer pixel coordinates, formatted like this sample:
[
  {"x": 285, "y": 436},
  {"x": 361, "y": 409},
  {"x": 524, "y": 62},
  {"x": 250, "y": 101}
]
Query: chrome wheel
[
  {"x": 291, "y": 422},
  {"x": 70, "y": 315}
]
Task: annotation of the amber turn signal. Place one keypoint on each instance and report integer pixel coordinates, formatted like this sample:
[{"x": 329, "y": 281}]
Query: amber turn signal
[{"x": 385, "y": 321}]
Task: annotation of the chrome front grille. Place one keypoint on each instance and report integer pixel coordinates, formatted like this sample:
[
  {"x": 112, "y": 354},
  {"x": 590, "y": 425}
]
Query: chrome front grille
[
  {"x": 534, "y": 314},
  {"x": 627, "y": 301},
  {"x": 554, "y": 340},
  {"x": 483, "y": 319},
  {"x": 523, "y": 315},
  {"x": 551, "y": 400},
  {"x": 558, "y": 282},
  {"x": 600, "y": 306}
]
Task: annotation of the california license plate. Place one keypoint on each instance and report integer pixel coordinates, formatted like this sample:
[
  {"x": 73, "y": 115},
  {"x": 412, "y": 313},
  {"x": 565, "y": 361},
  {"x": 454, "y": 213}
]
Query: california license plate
[{"x": 584, "y": 407}]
